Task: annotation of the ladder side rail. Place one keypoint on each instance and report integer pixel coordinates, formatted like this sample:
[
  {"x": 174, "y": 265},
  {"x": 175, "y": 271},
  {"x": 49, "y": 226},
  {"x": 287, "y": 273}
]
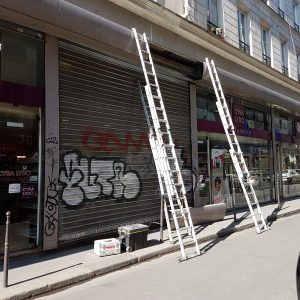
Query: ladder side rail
[
  {"x": 170, "y": 191},
  {"x": 167, "y": 176},
  {"x": 183, "y": 207},
  {"x": 231, "y": 123},
  {"x": 160, "y": 161},
  {"x": 157, "y": 157},
  {"x": 238, "y": 161},
  {"x": 246, "y": 194},
  {"x": 240, "y": 177},
  {"x": 157, "y": 161},
  {"x": 153, "y": 71},
  {"x": 144, "y": 106},
  {"x": 168, "y": 180},
  {"x": 156, "y": 122},
  {"x": 161, "y": 104},
  {"x": 149, "y": 91},
  {"x": 161, "y": 153}
]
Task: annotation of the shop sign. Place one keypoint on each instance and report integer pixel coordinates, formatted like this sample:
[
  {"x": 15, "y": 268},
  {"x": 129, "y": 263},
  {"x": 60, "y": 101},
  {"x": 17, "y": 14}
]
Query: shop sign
[
  {"x": 15, "y": 173},
  {"x": 14, "y": 188},
  {"x": 27, "y": 191},
  {"x": 238, "y": 117}
]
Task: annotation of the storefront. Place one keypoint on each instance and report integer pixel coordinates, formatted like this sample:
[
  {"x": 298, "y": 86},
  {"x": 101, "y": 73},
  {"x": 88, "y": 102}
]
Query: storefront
[
  {"x": 21, "y": 104},
  {"x": 288, "y": 150},
  {"x": 107, "y": 174},
  {"x": 217, "y": 174}
]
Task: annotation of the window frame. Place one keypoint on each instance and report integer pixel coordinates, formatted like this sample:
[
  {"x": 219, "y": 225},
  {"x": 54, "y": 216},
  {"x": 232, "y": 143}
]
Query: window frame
[
  {"x": 243, "y": 31},
  {"x": 284, "y": 58},
  {"x": 265, "y": 45}
]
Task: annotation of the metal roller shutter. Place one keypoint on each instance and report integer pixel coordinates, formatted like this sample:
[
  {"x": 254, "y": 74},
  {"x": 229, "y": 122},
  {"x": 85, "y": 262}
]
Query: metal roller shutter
[{"x": 107, "y": 175}]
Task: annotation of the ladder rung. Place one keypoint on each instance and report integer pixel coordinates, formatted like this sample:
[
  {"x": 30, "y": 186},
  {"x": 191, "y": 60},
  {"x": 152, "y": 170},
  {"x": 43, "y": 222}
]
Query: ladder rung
[
  {"x": 159, "y": 108},
  {"x": 162, "y": 120},
  {"x": 168, "y": 145},
  {"x": 156, "y": 97}
]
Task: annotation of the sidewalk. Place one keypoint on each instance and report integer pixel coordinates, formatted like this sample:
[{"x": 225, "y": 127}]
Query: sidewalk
[{"x": 31, "y": 276}]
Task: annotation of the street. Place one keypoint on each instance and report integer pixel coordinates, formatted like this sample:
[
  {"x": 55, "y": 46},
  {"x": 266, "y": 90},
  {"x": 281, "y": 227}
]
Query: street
[{"x": 242, "y": 266}]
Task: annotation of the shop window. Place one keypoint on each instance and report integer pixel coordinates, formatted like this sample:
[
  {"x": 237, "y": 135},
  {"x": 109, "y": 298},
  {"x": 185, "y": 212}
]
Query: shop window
[
  {"x": 255, "y": 118},
  {"x": 207, "y": 108},
  {"x": 283, "y": 125},
  {"x": 22, "y": 58}
]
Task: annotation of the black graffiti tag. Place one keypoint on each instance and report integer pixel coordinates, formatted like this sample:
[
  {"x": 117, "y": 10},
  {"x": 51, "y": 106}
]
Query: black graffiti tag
[{"x": 51, "y": 207}]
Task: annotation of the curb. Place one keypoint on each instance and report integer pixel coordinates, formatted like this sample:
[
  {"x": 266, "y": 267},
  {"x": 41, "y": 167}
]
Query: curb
[{"x": 86, "y": 275}]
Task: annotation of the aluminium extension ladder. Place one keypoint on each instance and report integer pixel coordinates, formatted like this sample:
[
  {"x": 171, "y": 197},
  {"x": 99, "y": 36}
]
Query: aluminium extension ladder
[
  {"x": 176, "y": 209},
  {"x": 235, "y": 149}
]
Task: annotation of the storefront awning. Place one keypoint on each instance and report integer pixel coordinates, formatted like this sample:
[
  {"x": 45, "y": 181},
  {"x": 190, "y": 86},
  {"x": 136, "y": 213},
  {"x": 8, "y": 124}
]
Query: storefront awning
[
  {"x": 75, "y": 19},
  {"x": 256, "y": 90}
]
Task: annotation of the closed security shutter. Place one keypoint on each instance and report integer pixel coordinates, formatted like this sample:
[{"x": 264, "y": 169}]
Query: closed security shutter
[{"x": 107, "y": 174}]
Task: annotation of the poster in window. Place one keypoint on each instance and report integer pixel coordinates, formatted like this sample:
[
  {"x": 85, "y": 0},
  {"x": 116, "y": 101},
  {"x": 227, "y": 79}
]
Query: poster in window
[{"x": 217, "y": 161}]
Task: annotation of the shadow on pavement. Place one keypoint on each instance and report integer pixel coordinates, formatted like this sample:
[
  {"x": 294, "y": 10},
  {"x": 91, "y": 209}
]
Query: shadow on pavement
[
  {"x": 224, "y": 233},
  {"x": 49, "y": 273}
]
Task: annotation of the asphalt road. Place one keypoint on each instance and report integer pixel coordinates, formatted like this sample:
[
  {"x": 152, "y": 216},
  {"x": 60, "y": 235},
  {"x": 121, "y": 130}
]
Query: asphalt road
[{"x": 242, "y": 266}]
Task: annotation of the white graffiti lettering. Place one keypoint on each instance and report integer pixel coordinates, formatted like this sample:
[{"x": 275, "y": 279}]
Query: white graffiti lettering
[{"x": 86, "y": 179}]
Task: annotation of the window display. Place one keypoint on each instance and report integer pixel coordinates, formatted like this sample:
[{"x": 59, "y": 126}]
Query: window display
[{"x": 19, "y": 160}]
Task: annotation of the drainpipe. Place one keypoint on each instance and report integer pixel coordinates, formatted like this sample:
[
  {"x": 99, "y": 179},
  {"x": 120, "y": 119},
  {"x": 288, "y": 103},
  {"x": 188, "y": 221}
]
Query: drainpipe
[{"x": 187, "y": 9}]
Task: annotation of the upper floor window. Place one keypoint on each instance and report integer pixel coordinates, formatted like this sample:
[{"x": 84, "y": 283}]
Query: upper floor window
[
  {"x": 298, "y": 66},
  {"x": 296, "y": 16},
  {"x": 243, "y": 34},
  {"x": 265, "y": 46},
  {"x": 281, "y": 8},
  {"x": 214, "y": 16},
  {"x": 283, "y": 53}
]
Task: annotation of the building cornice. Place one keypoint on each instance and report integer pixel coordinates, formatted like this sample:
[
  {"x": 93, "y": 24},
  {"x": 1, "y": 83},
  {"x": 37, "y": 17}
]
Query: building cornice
[{"x": 167, "y": 19}]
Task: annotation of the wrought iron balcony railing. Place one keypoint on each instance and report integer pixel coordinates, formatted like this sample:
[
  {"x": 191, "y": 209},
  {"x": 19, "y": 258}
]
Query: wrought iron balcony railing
[
  {"x": 244, "y": 47},
  {"x": 285, "y": 70},
  {"x": 266, "y": 59},
  {"x": 280, "y": 12}
]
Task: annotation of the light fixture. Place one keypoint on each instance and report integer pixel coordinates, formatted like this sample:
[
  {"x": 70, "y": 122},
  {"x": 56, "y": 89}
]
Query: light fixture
[
  {"x": 15, "y": 124},
  {"x": 21, "y": 156}
]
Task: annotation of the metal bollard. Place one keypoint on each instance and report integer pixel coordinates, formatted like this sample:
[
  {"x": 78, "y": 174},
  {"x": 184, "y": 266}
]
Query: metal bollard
[{"x": 6, "y": 251}]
